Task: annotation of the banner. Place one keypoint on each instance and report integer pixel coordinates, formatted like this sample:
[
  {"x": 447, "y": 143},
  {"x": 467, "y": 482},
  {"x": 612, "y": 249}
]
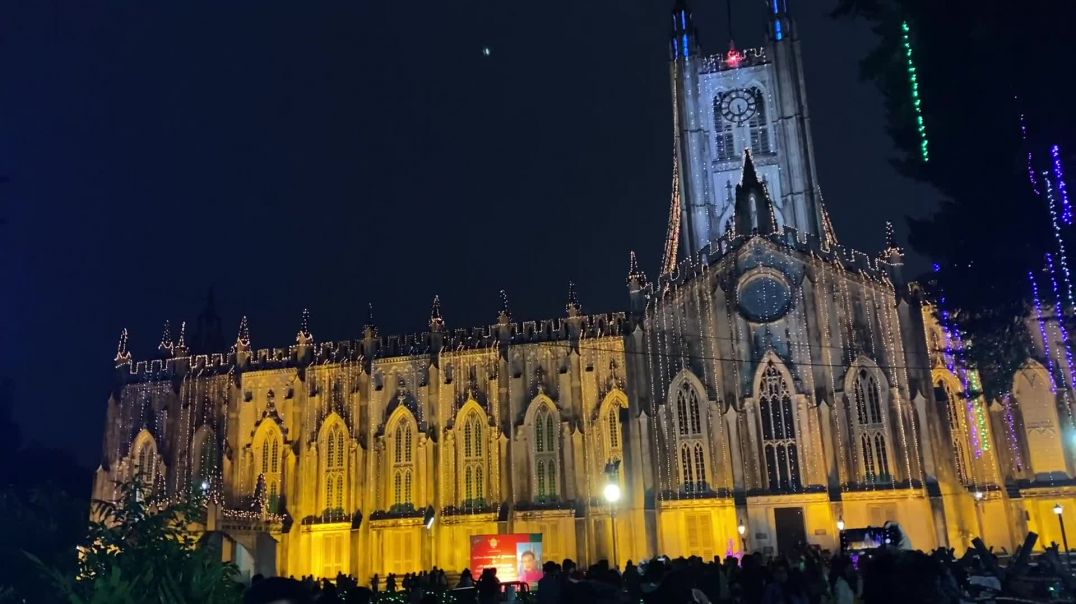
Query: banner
[{"x": 517, "y": 557}]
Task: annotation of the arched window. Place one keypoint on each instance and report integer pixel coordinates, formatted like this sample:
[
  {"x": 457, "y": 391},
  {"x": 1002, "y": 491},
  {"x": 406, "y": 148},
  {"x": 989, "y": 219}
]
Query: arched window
[
  {"x": 614, "y": 428},
  {"x": 777, "y": 415},
  {"x": 146, "y": 461},
  {"x": 403, "y": 465},
  {"x": 758, "y": 125},
  {"x": 943, "y": 391},
  {"x": 724, "y": 139},
  {"x": 207, "y": 462},
  {"x": 270, "y": 441},
  {"x": 614, "y": 449},
  {"x": 545, "y": 451},
  {"x": 334, "y": 466},
  {"x": 870, "y": 426},
  {"x": 473, "y": 459},
  {"x": 692, "y": 441}
]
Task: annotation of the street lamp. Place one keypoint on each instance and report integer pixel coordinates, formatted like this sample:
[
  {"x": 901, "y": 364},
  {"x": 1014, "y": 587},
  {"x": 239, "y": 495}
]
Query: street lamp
[
  {"x": 979, "y": 511},
  {"x": 612, "y": 495},
  {"x": 743, "y": 540},
  {"x": 840, "y": 523},
  {"x": 1064, "y": 538}
]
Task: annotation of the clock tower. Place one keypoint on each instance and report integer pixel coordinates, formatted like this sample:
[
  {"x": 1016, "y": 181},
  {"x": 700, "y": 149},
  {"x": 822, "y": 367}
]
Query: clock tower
[{"x": 750, "y": 99}]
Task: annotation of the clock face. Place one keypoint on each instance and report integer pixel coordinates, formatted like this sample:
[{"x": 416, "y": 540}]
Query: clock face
[{"x": 738, "y": 106}]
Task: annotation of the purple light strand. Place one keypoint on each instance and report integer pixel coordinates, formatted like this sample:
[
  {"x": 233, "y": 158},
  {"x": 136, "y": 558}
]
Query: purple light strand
[
  {"x": 1010, "y": 428},
  {"x": 1042, "y": 329},
  {"x": 951, "y": 335},
  {"x": 1060, "y": 317},
  {"x": 1059, "y": 175}
]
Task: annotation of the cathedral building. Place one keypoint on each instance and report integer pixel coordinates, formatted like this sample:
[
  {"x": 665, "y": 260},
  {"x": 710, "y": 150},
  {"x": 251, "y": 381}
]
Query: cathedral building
[{"x": 768, "y": 387}]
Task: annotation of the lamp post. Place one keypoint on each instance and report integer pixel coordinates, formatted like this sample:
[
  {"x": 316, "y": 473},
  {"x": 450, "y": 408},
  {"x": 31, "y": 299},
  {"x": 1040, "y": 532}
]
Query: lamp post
[
  {"x": 1064, "y": 538},
  {"x": 979, "y": 511},
  {"x": 743, "y": 539},
  {"x": 612, "y": 495}
]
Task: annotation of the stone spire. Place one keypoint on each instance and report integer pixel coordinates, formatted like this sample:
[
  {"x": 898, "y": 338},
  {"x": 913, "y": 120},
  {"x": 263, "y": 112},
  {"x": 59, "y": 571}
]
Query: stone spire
[
  {"x": 180, "y": 348},
  {"x": 166, "y": 345},
  {"x": 505, "y": 314},
  {"x": 436, "y": 320},
  {"x": 754, "y": 211},
  {"x": 123, "y": 356},
  {"x": 573, "y": 308},
  {"x": 893, "y": 256},
  {"x": 242, "y": 340},
  {"x": 304, "y": 340}
]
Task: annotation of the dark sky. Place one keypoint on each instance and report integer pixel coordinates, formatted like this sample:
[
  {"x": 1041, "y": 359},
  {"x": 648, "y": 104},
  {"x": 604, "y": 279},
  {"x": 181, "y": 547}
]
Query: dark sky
[{"x": 327, "y": 154}]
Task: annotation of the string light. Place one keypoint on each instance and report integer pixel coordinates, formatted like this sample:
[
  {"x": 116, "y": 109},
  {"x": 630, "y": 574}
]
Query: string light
[
  {"x": 913, "y": 79},
  {"x": 1059, "y": 176},
  {"x": 1042, "y": 329}
]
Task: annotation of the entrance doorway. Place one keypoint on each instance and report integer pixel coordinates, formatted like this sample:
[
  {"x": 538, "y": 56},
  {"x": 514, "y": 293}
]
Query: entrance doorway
[{"x": 791, "y": 531}]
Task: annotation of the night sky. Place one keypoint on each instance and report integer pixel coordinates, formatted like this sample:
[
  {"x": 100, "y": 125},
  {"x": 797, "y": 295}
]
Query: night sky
[{"x": 331, "y": 154}]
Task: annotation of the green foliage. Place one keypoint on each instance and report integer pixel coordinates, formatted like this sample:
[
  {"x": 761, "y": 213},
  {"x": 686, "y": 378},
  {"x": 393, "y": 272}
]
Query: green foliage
[
  {"x": 141, "y": 549},
  {"x": 980, "y": 66}
]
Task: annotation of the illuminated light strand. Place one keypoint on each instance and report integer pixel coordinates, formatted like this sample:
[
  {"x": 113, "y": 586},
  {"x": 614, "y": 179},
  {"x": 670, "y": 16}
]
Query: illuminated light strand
[
  {"x": 1042, "y": 330},
  {"x": 1060, "y": 309},
  {"x": 913, "y": 79},
  {"x": 1052, "y": 206},
  {"x": 1030, "y": 162},
  {"x": 1010, "y": 429},
  {"x": 1059, "y": 175},
  {"x": 949, "y": 357}
]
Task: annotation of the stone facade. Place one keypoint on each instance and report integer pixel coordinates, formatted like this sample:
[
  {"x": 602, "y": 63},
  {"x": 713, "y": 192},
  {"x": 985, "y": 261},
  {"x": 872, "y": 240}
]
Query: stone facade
[{"x": 768, "y": 385}]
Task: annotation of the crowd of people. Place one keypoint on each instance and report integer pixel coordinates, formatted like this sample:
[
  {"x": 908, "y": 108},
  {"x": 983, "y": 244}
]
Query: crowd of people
[{"x": 807, "y": 577}]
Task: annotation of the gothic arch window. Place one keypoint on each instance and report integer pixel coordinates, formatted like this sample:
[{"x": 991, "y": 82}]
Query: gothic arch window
[
  {"x": 472, "y": 457},
  {"x": 269, "y": 441},
  {"x": 612, "y": 431},
  {"x": 725, "y": 145},
  {"x": 402, "y": 468},
  {"x": 951, "y": 395},
  {"x": 544, "y": 423},
  {"x": 206, "y": 460},
  {"x": 870, "y": 427},
  {"x": 691, "y": 437},
  {"x": 759, "y": 126},
  {"x": 779, "y": 444},
  {"x": 145, "y": 460},
  {"x": 333, "y": 445}
]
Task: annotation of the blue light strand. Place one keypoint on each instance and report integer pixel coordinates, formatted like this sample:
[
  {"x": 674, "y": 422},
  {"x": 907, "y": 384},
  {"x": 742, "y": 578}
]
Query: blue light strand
[
  {"x": 951, "y": 336},
  {"x": 1059, "y": 174},
  {"x": 1061, "y": 253},
  {"x": 1060, "y": 309},
  {"x": 1042, "y": 330}
]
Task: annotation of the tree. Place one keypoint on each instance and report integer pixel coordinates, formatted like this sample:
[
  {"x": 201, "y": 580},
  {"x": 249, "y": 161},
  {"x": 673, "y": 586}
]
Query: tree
[
  {"x": 140, "y": 549},
  {"x": 980, "y": 67}
]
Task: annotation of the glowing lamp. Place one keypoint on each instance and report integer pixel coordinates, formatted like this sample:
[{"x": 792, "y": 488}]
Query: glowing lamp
[
  {"x": 741, "y": 529},
  {"x": 1058, "y": 509},
  {"x": 611, "y": 492},
  {"x": 978, "y": 495},
  {"x": 840, "y": 523}
]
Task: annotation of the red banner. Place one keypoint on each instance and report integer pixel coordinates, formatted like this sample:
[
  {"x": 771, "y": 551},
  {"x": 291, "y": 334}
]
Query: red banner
[{"x": 517, "y": 557}]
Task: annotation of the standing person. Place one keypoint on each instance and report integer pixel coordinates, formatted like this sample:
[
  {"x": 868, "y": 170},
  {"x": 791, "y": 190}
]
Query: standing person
[
  {"x": 489, "y": 587},
  {"x": 549, "y": 586},
  {"x": 374, "y": 583},
  {"x": 466, "y": 580},
  {"x": 777, "y": 591},
  {"x": 842, "y": 580},
  {"x": 390, "y": 583}
]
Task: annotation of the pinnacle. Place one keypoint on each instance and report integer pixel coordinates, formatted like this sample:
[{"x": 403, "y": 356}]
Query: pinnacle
[
  {"x": 435, "y": 310},
  {"x": 573, "y": 299},
  {"x": 166, "y": 337}
]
